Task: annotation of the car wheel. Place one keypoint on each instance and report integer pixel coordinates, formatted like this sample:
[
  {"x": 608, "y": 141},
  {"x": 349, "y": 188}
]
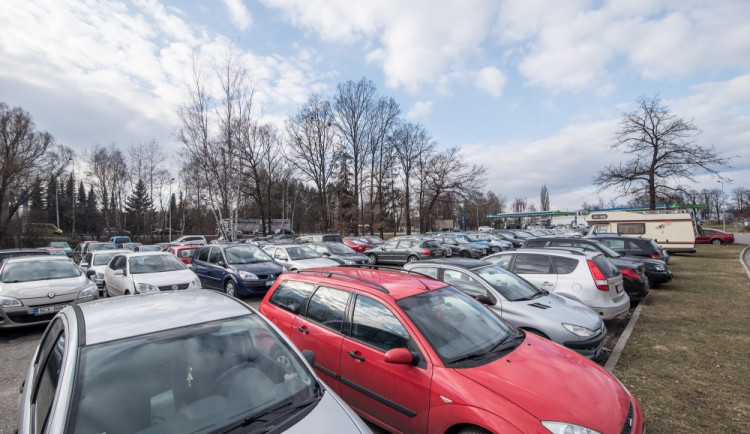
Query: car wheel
[
  {"x": 281, "y": 358},
  {"x": 230, "y": 288},
  {"x": 373, "y": 258},
  {"x": 412, "y": 258},
  {"x": 471, "y": 429},
  {"x": 465, "y": 254},
  {"x": 716, "y": 241}
]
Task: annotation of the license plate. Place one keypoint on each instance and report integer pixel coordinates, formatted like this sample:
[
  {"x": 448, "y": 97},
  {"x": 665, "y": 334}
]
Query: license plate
[
  {"x": 49, "y": 309},
  {"x": 270, "y": 282},
  {"x": 438, "y": 253}
]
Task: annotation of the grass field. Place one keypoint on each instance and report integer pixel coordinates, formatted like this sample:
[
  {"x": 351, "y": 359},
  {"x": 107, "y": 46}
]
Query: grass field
[{"x": 688, "y": 359}]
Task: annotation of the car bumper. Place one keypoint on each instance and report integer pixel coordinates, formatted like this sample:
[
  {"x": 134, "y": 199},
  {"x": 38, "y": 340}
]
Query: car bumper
[
  {"x": 22, "y": 316},
  {"x": 614, "y": 310},
  {"x": 255, "y": 287},
  {"x": 589, "y": 348},
  {"x": 637, "y": 289},
  {"x": 659, "y": 277}
]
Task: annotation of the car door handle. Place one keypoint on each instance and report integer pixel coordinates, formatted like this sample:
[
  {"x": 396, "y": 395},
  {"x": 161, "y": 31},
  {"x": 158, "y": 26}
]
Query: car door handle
[
  {"x": 546, "y": 284},
  {"x": 356, "y": 356},
  {"x": 303, "y": 329},
  {"x": 23, "y": 383}
]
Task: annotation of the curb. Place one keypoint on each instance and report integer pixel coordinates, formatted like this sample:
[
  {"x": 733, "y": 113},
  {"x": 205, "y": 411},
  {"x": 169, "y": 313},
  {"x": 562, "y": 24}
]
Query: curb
[
  {"x": 614, "y": 357},
  {"x": 743, "y": 261}
]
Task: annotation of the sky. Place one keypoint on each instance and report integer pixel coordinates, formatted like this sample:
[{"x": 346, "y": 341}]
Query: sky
[{"x": 531, "y": 89}]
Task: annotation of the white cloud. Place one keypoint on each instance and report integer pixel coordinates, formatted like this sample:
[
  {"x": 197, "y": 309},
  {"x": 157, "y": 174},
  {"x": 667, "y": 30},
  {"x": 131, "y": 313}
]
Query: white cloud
[
  {"x": 419, "y": 109},
  {"x": 491, "y": 80},
  {"x": 238, "y": 14}
]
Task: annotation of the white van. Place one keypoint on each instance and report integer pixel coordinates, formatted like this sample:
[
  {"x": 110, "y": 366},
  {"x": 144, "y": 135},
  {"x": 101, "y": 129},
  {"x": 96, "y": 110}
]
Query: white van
[{"x": 673, "y": 230}]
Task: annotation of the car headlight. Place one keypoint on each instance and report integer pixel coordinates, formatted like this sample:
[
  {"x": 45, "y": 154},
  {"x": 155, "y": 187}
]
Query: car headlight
[
  {"x": 579, "y": 330},
  {"x": 88, "y": 292},
  {"x": 196, "y": 283},
  {"x": 146, "y": 287},
  {"x": 660, "y": 267},
  {"x": 100, "y": 275},
  {"x": 567, "y": 428},
  {"x": 349, "y": 262},
  {"x": 10, "y": 302},
  {"x": 247, "y": 276}
]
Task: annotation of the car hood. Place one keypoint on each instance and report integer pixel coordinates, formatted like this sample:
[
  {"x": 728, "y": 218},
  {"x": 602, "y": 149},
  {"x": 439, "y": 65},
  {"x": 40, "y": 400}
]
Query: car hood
[
  {"x": 40, "y": 288},
  {"x": 165, "y": 278},
  {"x": 565, "y": 310},
  {"x": 267, "y": 267},
  {"x": 329, "y": 410},
  {"x": 555, "y": 384},
  {"x": 314, "y": 262}
]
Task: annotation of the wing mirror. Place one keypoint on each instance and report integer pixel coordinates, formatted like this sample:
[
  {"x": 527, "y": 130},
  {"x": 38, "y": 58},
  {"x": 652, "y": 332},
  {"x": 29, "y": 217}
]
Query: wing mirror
[
  {"x": 398, "y": 356},
  {"x": 484, "y": 299},
  {"x": 309, "y": 355},
  {"x": 119, "y": 272}
]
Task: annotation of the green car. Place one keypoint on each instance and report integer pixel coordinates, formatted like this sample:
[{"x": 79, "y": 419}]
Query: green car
[{"x": 62, "y": 245}]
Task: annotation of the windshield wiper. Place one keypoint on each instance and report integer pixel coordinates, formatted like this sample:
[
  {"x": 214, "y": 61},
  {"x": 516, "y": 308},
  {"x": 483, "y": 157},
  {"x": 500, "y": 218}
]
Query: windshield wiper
[
  {"x": 507, "y": 342},
  {"x": 284, "y": 407}
]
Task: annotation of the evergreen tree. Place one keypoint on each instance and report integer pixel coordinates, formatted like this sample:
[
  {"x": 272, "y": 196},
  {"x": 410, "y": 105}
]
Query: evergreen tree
[{"x": 138, "y": 207}]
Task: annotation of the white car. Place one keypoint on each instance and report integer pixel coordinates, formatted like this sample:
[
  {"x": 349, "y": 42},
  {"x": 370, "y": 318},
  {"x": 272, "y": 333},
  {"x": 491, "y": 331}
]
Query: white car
[
  {"x": 298, "y": 257},
  {"x": 94, "y": 263},
  {"x": 142, "y": 272},
  {"x": 191, "y": 239},
  {"x": 588, "y": 277}
]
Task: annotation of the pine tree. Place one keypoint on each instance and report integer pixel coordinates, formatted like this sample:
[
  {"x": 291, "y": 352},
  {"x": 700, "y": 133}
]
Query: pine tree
[{"x": 138, "y": 206}]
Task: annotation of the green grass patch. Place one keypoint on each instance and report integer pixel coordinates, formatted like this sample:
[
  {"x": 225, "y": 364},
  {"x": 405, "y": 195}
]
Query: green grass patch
[{"x": 688, "y": 358}]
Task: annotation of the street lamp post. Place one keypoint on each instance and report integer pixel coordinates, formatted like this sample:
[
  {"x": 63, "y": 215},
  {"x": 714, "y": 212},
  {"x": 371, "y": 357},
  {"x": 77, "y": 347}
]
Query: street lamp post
[
  {"x": 724, "y": 212},
  {"x": 73, "y": 232},
  {"x": 169, "y": 204}
]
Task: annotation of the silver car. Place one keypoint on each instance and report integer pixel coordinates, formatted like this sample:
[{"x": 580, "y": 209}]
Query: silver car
[
  {"x": 340, "y": 253},
  {"x": 588, "y": 277},
  {"x": 34, "y": 288},
  {"x": 164, "y": 363},
  {"x": 559, "y": 319},
  {"x": 298, "y": 256}
]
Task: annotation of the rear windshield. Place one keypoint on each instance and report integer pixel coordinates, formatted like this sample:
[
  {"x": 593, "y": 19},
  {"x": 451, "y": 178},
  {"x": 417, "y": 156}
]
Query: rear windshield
[
  {"x": 431, "y": 244},
  {"x": 605, "y": 266}
]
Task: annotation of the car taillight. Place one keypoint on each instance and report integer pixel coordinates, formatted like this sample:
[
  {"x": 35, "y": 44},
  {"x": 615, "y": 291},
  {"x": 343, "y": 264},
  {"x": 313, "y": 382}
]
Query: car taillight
[
  {"x": 656, "y": 256},
  {"x": 426, "y": 252},
  {"x": 599, "y": 280},
  {"x": 627, "y": 272}
]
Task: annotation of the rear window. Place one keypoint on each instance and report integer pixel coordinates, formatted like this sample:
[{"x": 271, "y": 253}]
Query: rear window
[
  {"x": 291, "y": 295},
  {"x": 333, "y": 238},
  {"x": 532, "y": 264},
  {"x": 432, "y": 244},
  {"x": 605, "y": 266},
  {"x": 564, "y": 265}
]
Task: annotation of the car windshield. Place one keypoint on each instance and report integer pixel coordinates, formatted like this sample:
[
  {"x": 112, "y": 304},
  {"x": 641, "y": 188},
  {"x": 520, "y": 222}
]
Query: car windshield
[
  {"x": 302, "y": 252},
  {"x": 462, "y": 239},
  {"x": 104, "y": 258},
  {"x": 340, "y": 249},
  {"x": 60, "y": 244},
  {"x": 212, "y": 377},
  {"x": 155, "y": 264},
  {"x": 461, "y": 330},
  {"x": 510, "y": 286},
  {"x": 101, "y": 246},
  {"x": 149, "y": 248},
  {"x": 245, "y": 255},
  {"x": 28, "y": 271},
  {"x": 186, "y": 253}
]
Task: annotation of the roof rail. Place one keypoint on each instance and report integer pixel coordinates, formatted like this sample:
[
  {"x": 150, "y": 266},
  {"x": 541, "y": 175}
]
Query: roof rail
[
  {"x": 330, "y": 273},
  {"x": 389, "y": 268},
  {"x": 567, "y": 249}
]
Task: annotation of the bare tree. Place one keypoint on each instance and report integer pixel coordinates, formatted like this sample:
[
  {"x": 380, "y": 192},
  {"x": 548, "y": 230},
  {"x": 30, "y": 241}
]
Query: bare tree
[
  {"x": 664, "y": 150},
  {"x": 544, "y": 198},
  {"x": 410, "y": 142},
  {"x": 384, "y": 120},
  {"x": 262, "y": 163},
  {"x": 312, "y": 148},
  {"x": 26, "y": 155},
  {"x": 108, "y": 173}
]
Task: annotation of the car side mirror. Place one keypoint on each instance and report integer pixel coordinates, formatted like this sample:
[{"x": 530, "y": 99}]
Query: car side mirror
[
  {"x": 90, "y": 274},
  {"x": 399, "y": 356},
  {"x": 119, "y": 272},
  {"x": 484, "y": 299},
  {"x": 189, "y": 265},
  {"x": 221, "y": 264},
  {"x": 84, "y": 264},
  {"x": 309, "y": 355}
]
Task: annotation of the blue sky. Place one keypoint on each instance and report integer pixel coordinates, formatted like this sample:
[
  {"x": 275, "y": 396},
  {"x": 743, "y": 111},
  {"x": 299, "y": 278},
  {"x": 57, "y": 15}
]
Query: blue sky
[{"x": 531, "y": 89}]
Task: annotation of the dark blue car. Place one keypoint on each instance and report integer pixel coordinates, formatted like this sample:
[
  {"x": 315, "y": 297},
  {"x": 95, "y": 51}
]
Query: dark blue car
[{"x": 236, "y": 269}]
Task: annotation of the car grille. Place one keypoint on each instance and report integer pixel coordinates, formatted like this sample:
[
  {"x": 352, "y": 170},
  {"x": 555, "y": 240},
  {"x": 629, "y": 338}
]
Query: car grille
[
  {"x": 24, "y": 318},
  {"x": 270, "y": 276},
  {"x": 627, "y": 428},
  {"x": 174, "y": 287}
]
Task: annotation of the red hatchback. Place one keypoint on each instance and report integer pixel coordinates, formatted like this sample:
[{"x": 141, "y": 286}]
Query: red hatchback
[
  {"x": 184, "y": 252},
  {"x": 714, "y": 236},
  {"x": 359, "y": 245},
  {"x": 411, "y": 354}
]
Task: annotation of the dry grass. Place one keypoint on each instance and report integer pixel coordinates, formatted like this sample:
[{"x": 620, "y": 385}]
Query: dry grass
[{"x": 688, "y": 358}]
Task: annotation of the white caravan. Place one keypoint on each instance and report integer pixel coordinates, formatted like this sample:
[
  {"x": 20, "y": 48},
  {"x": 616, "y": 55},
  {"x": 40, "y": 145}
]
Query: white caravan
[{"x": 674, "y": 230}]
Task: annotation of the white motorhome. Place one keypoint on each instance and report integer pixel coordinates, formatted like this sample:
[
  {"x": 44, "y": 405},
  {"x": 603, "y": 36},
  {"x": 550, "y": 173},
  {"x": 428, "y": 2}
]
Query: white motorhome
[{"x": 674, "y": 230}]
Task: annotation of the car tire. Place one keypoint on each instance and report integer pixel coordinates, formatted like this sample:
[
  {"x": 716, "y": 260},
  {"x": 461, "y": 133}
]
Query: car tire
[
  {"x": 716, "y": 242},
  {"x": 230, "y": 288},
  {"x": 465, "y": 254},
  {"x": 412, "y": 258},
  {"x": 373, "y": 258},
  {"x": 279, "y": 357},
  {"x": 471, "y": 429}
]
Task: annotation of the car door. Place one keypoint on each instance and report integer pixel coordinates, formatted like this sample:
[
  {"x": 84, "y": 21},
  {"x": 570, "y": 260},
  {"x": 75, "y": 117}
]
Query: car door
[
  {"x": 215, "y": 268},
  {"x": 396, "y": 394},
  {"x": 705, "y": 238},
  {"x": 386, "y": 253},
  {"x": 403, "y": 250},
  {"x": 199, "y": 264},
  {"x": 319, "y": 330},
  {"x": 117, "y": 283},
  {"x": 44, "y": 387},
  {"x": 537, "y": 269}
]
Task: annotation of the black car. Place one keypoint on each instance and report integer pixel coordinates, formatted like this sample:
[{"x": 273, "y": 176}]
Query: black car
[
  {"x": 634, "y": 270},
  {"x": 340, "y": 253},
  {"x": 11, "y": 253},
  {"x": 641, "y": 248},
  {"x": 236, "y": 269},
  {"x": 402, "y": 250},
  {"x": 464, "y": 250},
  {"x": 319, "y": 238}
]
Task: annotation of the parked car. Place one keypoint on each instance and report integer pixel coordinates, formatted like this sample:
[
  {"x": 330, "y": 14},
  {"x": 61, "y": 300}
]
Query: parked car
[
  {"x": 375, "y": 241},
  {"x": 464, "y": 250},
  {"x": 167, "y": 231},
  {"x": 465, "y": 238},
  {"x": 184, "y": 252},
  {"x": 191, "y": 239},
  {"x": 414, "y": 355},
  {"x": 148, "y": 248},
  {"x": 165, "y": 364},
  {"x": 508, "y": 236},
  {"x": 494, "y": 241},
  {"x": 714, "y": 236},
  {"x": 108, "y": 232},
  {"x": 130, "y": 246},
  {"x": 588, "y": 277},
  {"x": 318, "y": 238},
  {"x": 559, "y": 319},
  {"x": 236, "y": 269},
  {"x": 403, "y": 250},
  {"x": 359, "y": 245},
  {"x": 41, "y": 229},
  {"x": 633, "y": 246},
  {"x": 34, "y": 288},
  {"x": 633, "y": 268},
  {"x": 13, "y": 253},
  {"x": 340, "y": 253},
  {"x": 85, "y": 247},
  {"x": 130, "y": 273},
  {"x": 62, "y": 245},
  {"x": 295, "y": 257},
  {"x": 119, "y": 240},
  {"x": 55, "y": 251},
  {"x": 94, "y": 263}
]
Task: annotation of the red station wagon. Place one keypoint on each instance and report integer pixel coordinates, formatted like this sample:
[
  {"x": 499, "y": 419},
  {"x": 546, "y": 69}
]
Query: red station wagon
[{"x": 414, "y": 355}]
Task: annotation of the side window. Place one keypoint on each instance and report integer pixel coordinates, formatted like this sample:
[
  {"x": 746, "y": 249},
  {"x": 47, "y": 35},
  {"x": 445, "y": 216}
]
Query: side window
[
  {"x": 464, "y": 282},
  {"x": 614, "y": 244},
  {"x": 291, "y": 295},
  {"x": 406, "y": 244},
  {"x": 564, "y": 265},
  {"x": 631, "y": 228},
  {"x": 215, "y": 256},
  {"x": 502, "y": 261},
  {"x": 281, "y": 254},
  {"x": 390, "y": 244},
  {"x": 327, "y": 307},
  {"x": 375, "y": 325},
  {"x": 532, "y": 264},
  {"x": 203, "y": 254},
  {"x": 87, "y": 259},
  {"x": 46, "y": 385},
  {"x": 113, "y": 264},
  {"x": 320, "y": 249},
  {"x": 427, "y": 271}
]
